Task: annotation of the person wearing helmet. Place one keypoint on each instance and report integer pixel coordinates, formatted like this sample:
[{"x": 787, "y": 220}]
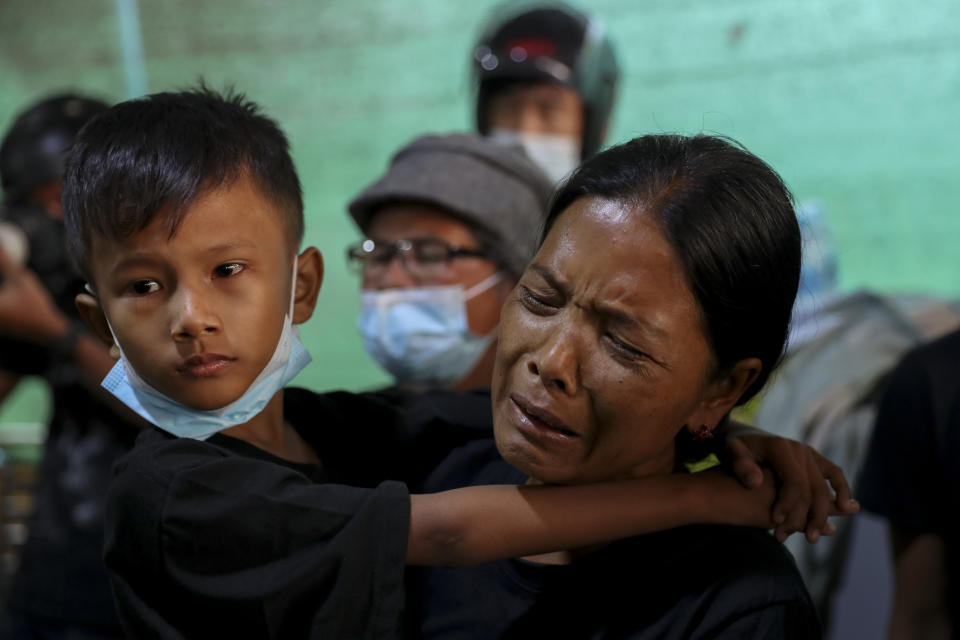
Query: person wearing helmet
[
  {"x": 546, "y": 78},
  {"x": 448, "y": 229},
  {"x": 60, "y": 588}
]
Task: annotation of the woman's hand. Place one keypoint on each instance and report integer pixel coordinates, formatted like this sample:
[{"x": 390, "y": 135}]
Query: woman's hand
[{"x": 811, "y": 487}]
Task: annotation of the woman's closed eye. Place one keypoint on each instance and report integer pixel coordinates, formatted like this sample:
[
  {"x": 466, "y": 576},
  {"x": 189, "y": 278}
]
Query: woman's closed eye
[
  {"x": 537, "y": 302},
  {"x": 624, "y": 347},
  {"x": 228, "y": 269},
  {"x": 628, "y": 353}
]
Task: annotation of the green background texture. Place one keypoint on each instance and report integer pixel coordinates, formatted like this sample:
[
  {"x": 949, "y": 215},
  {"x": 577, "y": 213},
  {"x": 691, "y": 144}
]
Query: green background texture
[{"x": 854, "y": 102}]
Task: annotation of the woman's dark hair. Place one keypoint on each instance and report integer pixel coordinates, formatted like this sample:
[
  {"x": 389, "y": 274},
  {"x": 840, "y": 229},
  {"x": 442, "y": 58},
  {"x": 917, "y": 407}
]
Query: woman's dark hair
[
  {"x": 730, "y": 220},
  {"x": 155, "y": 155}
]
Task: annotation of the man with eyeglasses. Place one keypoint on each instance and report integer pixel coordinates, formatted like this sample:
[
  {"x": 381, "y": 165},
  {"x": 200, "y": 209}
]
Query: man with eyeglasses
[{"x": 448, "y": 230}]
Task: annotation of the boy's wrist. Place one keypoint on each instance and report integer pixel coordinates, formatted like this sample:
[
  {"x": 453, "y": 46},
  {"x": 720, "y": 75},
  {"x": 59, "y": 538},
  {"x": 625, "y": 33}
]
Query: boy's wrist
[{"x": 718, "y": 498}]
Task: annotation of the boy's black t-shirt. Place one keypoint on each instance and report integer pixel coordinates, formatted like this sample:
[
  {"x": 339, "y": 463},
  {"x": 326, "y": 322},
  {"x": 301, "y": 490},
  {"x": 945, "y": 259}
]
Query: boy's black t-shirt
[{"x": 221, "y": 539}]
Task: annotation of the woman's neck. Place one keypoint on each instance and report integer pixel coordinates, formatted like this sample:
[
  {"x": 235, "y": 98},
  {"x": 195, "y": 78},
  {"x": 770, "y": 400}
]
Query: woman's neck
[
  {"x": 661, "y": 465},
  {"x": 268, "y": 431}
]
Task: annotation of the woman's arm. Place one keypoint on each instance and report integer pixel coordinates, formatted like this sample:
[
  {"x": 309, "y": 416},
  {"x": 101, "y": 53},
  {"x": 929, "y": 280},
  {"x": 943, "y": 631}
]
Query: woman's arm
[{"x": 479, "y": 524}]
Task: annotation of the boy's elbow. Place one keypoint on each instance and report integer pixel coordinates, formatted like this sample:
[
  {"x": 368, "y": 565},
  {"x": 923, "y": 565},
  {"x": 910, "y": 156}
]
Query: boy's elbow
[{"x": 439, "y": 533}]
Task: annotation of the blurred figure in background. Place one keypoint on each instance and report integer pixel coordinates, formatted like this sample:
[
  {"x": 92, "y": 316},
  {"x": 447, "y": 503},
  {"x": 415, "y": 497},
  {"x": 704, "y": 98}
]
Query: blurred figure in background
[
  {"x": 826, "y": 391},
  {"x": 546, "y": 78},
  {"x": 461, "y": 214},
  {"x": 911, "y": 478},
  {"x": 60, "y": 589},
  {"x": 448, "y": 230}
]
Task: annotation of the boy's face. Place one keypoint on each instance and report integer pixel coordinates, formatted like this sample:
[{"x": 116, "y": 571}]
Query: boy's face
[{"x": 199, "y": 315}]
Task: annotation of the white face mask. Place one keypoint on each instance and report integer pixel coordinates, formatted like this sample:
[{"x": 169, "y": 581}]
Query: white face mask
[
  {"x": 420, "y": 335},
  {"x": 557, "y": 155},
  {"x": 288, "y": 359}
]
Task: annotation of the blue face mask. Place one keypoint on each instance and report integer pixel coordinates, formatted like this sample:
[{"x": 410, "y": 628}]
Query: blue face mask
[
  {"x": 421, "y": 335},
  {"x": 289, "y": 358}
]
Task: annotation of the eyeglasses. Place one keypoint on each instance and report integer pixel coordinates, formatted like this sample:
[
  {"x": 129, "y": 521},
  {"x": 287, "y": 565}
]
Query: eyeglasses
[{"x": 423, "y": 258}]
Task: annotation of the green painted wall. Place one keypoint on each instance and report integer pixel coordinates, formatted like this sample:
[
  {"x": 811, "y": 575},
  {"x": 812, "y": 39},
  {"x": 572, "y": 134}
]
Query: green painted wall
[{"x": 853, "y": 101}]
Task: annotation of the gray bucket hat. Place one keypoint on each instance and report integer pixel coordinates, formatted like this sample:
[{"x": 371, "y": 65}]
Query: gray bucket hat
[{"x": 492, "y": 187}]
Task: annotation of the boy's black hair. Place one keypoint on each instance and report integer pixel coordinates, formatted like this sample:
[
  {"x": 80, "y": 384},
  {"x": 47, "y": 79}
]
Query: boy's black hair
[{"x": 155, "y": 155}]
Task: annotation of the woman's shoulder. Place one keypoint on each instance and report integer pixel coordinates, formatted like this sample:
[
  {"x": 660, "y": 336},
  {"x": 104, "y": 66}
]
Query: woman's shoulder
[
  {"x": 714, "y": 555},
  {"x": 686, "y": 583},
  {"x": 700, "y": 581},
  {"x": 723, "y": 574},
  {"x": 752, "y": 586}
]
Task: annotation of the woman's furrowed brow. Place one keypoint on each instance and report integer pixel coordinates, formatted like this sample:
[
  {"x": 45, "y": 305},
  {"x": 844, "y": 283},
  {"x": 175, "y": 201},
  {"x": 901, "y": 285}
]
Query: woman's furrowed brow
[
  {"x": 626, "y": 318},
  {"x": 550, "y": 277}
]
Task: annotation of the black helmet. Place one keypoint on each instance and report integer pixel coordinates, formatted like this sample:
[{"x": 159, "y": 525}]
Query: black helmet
[
  {"x": 548, "y": 41},
  {"x": 32, "y": 151}
]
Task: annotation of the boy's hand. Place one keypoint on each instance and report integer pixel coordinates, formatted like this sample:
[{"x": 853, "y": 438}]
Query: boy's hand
[
  {"x": 725, "y": 500},
  {"x": 811, "y": 487},
  {"x": 27, "y": 310}
]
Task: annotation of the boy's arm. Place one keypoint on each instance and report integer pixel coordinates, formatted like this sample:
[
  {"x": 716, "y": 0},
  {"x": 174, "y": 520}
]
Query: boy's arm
[{"x": 478, "y": 524}]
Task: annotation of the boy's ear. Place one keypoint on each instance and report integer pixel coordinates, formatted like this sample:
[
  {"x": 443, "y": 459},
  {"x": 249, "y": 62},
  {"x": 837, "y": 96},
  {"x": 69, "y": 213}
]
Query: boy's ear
[
  {"x": 722, "y": 394},
  {"x": 92, "y": 314},
  {"x": 309, "y": 279}
]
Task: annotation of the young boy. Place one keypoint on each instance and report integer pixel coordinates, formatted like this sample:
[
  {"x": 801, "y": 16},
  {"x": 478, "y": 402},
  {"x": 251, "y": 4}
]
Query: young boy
[{"x": 278, "y": 513}]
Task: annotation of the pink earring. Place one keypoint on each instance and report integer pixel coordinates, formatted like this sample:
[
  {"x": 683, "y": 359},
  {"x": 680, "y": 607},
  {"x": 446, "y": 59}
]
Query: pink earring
[{"x": 703, "y": 433}]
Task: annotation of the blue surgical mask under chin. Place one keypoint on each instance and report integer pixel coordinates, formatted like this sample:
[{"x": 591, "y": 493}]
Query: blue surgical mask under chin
[
  {"x": 421, "y": 335},
  {"x": 289, "y": 358}
]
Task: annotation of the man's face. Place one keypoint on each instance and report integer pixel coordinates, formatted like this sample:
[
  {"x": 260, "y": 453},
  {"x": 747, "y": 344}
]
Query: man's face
[
  {"x": 411, "y": 221},
  {"x": 199, "y": 314},
  {"x": 537, "y": 108}
]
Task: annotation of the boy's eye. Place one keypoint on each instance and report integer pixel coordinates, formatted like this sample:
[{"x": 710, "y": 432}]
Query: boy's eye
[
  {"x": 228, "y": 269},
  {"x": 143, "y": 287}
]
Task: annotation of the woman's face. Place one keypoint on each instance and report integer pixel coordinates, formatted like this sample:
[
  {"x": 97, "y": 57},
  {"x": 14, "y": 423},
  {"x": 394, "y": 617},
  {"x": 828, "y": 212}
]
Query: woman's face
[{"x": 602, "y": 357}]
